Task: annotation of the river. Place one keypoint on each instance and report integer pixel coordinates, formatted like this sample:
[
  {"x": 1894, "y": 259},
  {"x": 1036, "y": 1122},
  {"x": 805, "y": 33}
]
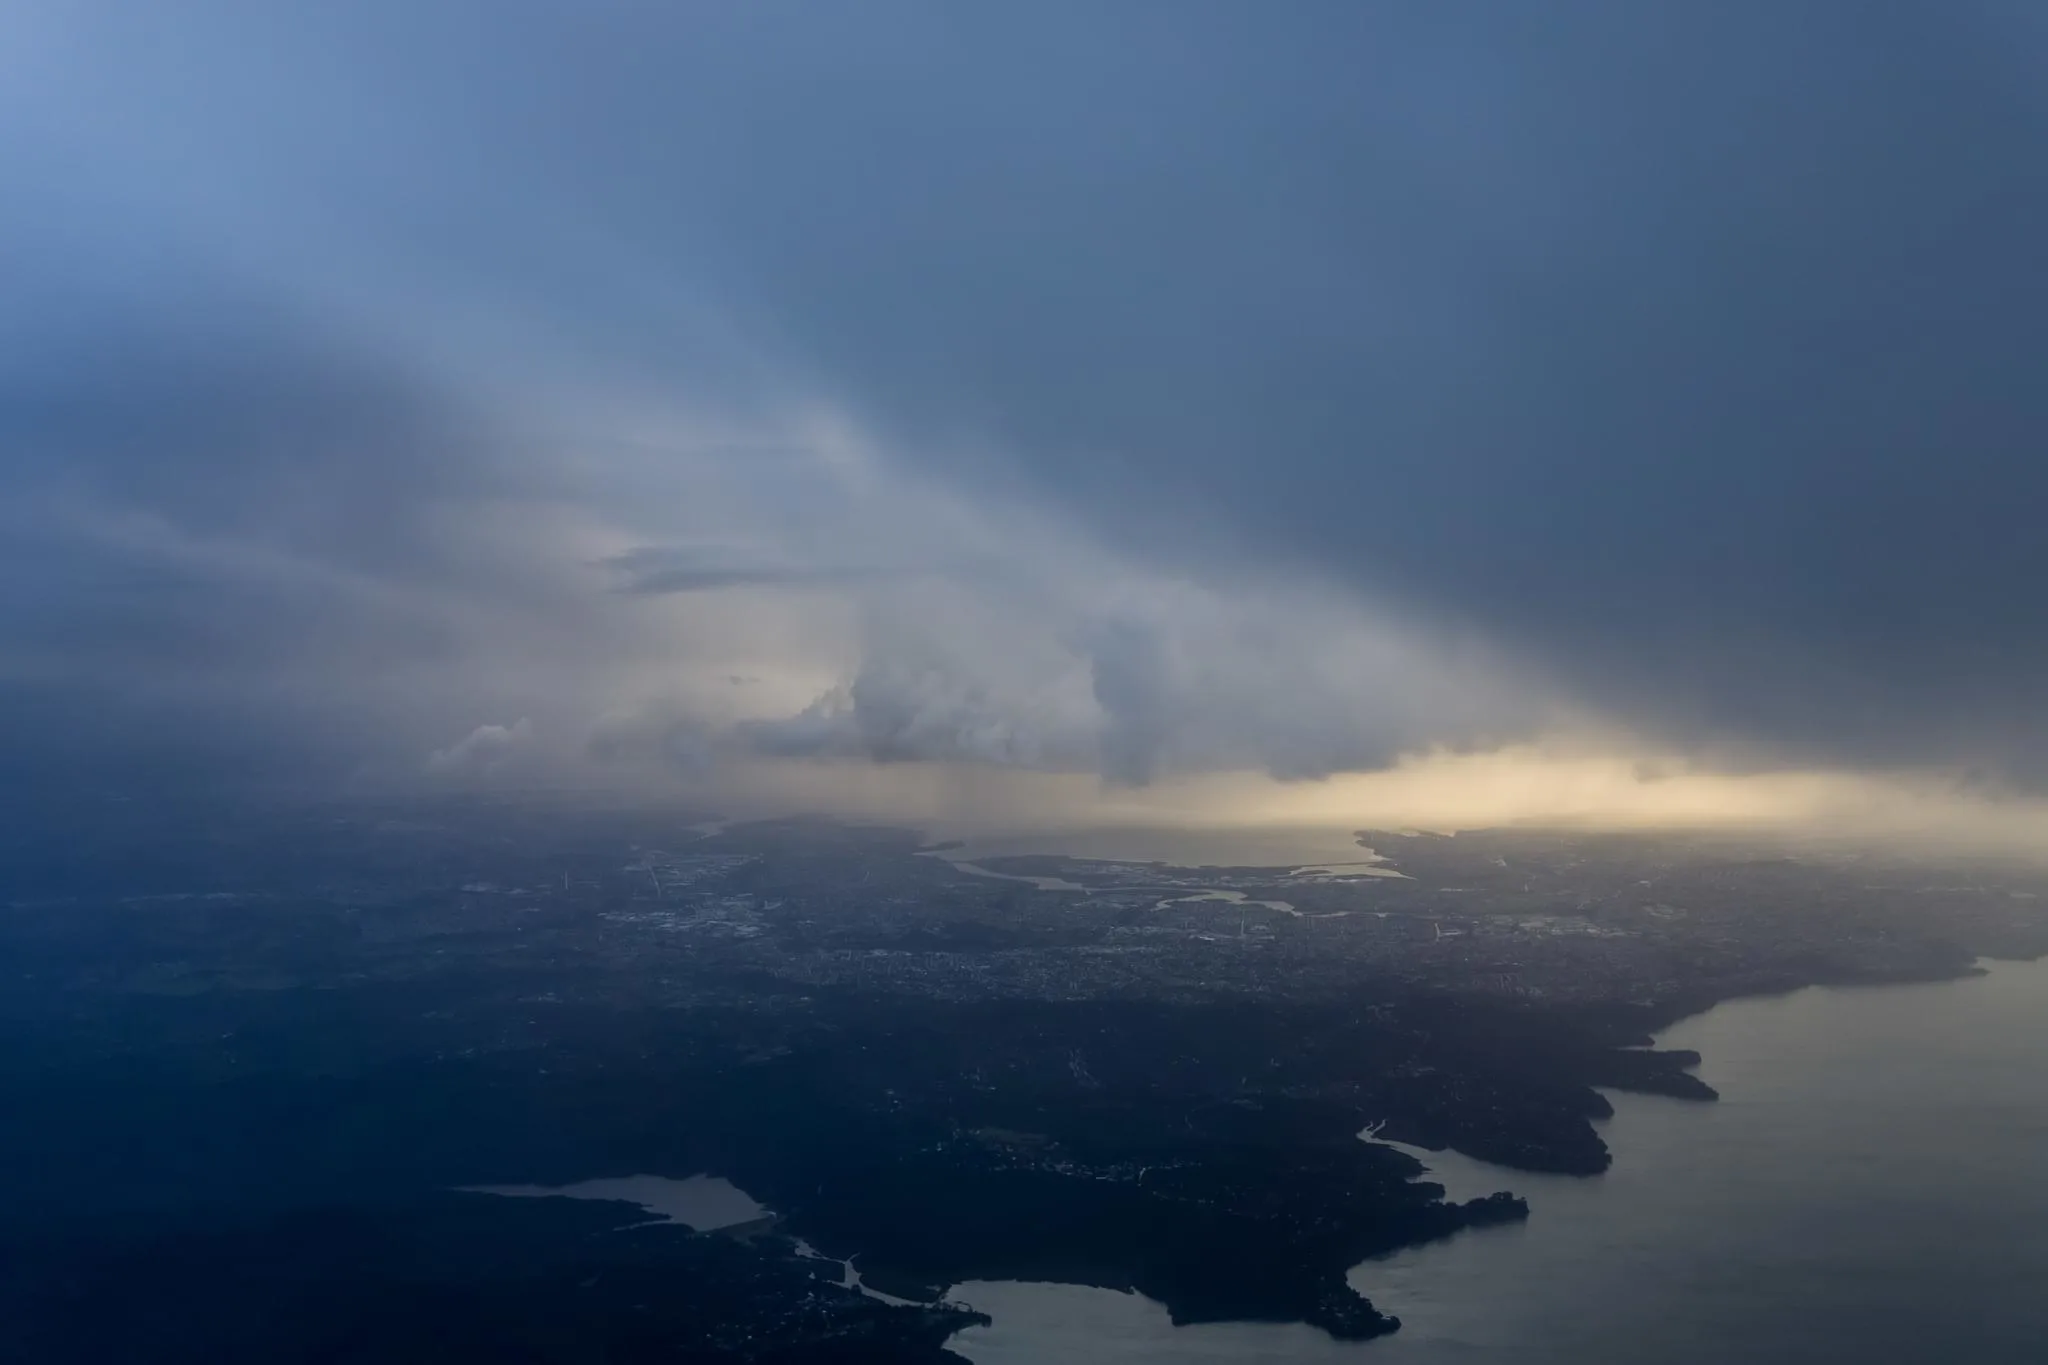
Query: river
[{"x": 1873, "y": 1186}]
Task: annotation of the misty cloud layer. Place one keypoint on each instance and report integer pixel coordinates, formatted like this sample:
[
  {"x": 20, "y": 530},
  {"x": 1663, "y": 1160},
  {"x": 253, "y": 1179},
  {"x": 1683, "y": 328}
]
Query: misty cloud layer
[{"x": 1133, "y": 391}]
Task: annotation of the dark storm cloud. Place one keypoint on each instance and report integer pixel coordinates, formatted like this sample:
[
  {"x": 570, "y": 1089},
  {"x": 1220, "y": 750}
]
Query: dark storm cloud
[
  {"x": 897, "y": 713},
  {"x": 650, "y": 570},
  {"x": 1699, "y": 349},
  {"x": 1132, "y": 684},
  {"x": 224, "y": 536},
  {"x": 1696, "y": 355},
  {"x": 191, "y": 539}
]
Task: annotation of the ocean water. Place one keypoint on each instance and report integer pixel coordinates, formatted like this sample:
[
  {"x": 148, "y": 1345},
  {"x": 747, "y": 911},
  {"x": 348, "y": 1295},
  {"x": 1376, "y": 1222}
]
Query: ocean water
[{"x": 1872, "y": 1187}]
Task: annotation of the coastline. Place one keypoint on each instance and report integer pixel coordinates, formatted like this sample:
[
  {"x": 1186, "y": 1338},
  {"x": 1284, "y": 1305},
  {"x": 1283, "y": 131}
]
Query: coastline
[{"x": 1441, "y": 1289}]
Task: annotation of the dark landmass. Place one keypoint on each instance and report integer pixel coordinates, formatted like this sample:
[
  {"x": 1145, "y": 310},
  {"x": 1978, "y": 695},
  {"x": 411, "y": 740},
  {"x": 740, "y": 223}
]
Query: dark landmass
[
  {"x": 248, "y": 1053},
  {"x": 449, "y": 1277}
]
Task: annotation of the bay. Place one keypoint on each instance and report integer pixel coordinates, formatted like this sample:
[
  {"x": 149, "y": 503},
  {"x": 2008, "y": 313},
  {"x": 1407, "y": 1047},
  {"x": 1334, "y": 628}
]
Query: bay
[
  {"x": 702, "y": 1203},
  {"x": 1873, "y": 1186}
]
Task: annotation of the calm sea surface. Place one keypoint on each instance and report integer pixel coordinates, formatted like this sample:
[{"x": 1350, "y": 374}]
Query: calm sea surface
[{"x": 1872, "y": 1187}]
